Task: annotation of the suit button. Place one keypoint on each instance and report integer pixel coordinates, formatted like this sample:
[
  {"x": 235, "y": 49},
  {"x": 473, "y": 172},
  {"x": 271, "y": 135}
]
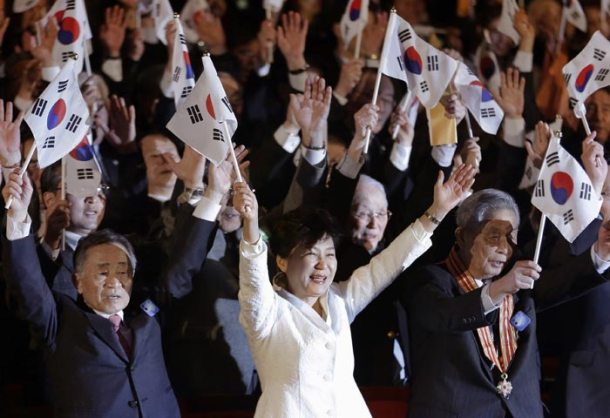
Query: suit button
[{"x": 133, "y": 404}]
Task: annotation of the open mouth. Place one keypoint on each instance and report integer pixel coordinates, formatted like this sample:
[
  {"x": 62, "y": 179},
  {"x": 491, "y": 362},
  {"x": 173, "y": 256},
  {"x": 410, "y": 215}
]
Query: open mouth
[
  {"x": 318, "y": 278},
  {"x": 497, "y": 264}
]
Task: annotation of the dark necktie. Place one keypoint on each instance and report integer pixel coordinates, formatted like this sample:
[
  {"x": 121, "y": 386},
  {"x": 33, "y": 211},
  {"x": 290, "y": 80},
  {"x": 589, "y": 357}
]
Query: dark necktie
[{"x": 115, "y": 319}]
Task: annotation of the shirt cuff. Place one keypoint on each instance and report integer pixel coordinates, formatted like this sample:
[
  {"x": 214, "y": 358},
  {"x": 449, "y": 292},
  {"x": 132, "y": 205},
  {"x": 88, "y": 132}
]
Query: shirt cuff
[
  {"x": 287, "y": 138},
  {"x": 443, "y": 154},
  {"x": 400, "y": 156},
  {"x": 16, "y": 229},
  {"x": 207, "y": 209},
  {"x": 49, "y": 73},
  {"x": 488, "y": 304},
  {"x": 419, "y": 232},
  {"x": 513, "y": 132},
  {"x": 264, "y": 70},
  {"x": 350, "y": 168},
  {"x": 599, "y": 263},
  {"x": 113, "y": 68},
  {"x": 297, "y": 81},
  {"x": 313, "y": 156},
  {"x": 252, "y": 250},
  {"x": 340, "y": 99},
  {"x": 524, "y": 61}
]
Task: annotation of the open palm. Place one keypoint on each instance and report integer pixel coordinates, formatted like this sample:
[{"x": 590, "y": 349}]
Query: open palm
[{"x": 10, "y": 153}]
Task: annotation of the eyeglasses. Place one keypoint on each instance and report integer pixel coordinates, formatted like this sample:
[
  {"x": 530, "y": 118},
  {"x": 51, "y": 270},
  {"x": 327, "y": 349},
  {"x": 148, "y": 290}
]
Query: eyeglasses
[{"x": 369, "y": 216}]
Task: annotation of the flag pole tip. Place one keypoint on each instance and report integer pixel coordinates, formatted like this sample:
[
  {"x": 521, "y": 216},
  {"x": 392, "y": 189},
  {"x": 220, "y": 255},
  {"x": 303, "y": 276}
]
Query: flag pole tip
[
  {"x": 558, "y": 134},
  {"x": 176, "y": 15},
  {"x": 393, "y": 10}
]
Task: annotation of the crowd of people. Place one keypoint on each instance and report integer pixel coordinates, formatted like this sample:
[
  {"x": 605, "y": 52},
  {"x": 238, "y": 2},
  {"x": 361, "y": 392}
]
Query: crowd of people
[{"x": 335, "y": 263}]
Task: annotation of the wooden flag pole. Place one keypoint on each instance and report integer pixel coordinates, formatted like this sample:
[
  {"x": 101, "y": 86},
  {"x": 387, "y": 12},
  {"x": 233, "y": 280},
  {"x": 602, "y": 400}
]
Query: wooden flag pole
[
  {"x": 367, "y": 135},
  {"x": 238, "y": 175},
  {"x": 86, "y": 57},
  {"x": 468, "y": 124},
  {"x": 403, "y": 108},
  {"x": 22, "y": 170},
  {"x": 358, "y": 43},
  {"x": 63, "y": 197}
]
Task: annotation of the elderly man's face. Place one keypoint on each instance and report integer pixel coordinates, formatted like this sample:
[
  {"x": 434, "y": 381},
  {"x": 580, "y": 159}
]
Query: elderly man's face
[
  {"x": 492, "y": 248},
  {"x": 598, "y": 114},
  {"x": 369, "y": 218},
  {"x": 105, "y": 280}
]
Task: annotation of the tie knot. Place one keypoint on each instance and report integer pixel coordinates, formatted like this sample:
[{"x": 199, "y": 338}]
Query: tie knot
[{"x": 116, "y": 321}]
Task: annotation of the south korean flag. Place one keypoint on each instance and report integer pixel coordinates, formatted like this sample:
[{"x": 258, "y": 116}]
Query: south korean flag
[
  {"x": 589, "y": 71},
  {"x": 82, "y": 173},
  {"x": 20, "y": 6},
  {"x": 564, "y": 193},
  {"x": 575, "y": 14},
  {"x": 203, "y": 119},
  {"x": 162, "y": 14},
  {"x": 73, "y": 31},
  {"x": 58, "y": 118},
  {"x": 183, "y": 77},
  {"x": 478, "y": 100},
  {"x": 506, "y": 26}
]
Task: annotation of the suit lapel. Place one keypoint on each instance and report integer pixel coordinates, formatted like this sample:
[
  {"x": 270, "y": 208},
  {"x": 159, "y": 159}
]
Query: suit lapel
[
  {"x": 103, "y": 328},
  {"x": 138, "y": 327}
]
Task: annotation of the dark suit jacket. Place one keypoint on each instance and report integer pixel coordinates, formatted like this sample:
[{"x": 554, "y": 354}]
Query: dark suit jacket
[
  {"x": 90, "y": 373},
  {"x": 451, "y": 377}
]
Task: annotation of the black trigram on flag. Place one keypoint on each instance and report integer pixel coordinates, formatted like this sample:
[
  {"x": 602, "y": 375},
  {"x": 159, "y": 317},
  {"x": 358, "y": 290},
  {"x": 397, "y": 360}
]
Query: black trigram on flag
[
  {"x": 70, "y": 4},
  {"x": 62, "y": 86},
  {"x": 39, "y": 106},
  {"x": 488, "y": 112},
  {"x": 186, "y": 91},
  {"x": 49, "y": 143},
  {"x": 73, "y": 123},
  {"x": 66, "y": 55},
  {"x": 405, "y": 35},
  {"x": 599, "y": 54},
  {"x": 84, "y": 174},
  {"x": 567, "y": 77},
  {"x": 601, "y": 74},
  {"x": 217, "y": 135},
  {"x": 432, "y": 62},
  {"x": 469, "y": 71},
  {"x": 568, "y": 217},
  {"x": 194, "y": 114},
  {"x": 225, "y": 100},
  {"x": 572, "y": 103},
  {"x": 177, "y": 72},
  {"x": 552, "y": 159},
  {"x": 575, "y": 15},
  {"x": 402, "y": 68},
  {"x": 539, "y": 189},
  {"x": 423, "y": 86},
  {"x": 585, "y": 191},
  {"x": 182, "y": 39}
]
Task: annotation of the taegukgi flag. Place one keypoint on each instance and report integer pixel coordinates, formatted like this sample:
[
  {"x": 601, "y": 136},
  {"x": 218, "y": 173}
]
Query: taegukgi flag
[
  {"x": 162, "y": 14},
  {"x": 183, "y": 77},
  {"x": 575, "y": 14},
  {"x": 58, "y": 118},
  {"x": 82, "y": 173},
  {"x": 564, "y": 192},
  {"x": 506, "y": 26},
  {"x": 354, "y": 19},
  {"x": 200, "y": 120},
  {"x": 407, "y": 57},
  {"x": 478, "y": 100},
  {"x": 589, "y": 71}
]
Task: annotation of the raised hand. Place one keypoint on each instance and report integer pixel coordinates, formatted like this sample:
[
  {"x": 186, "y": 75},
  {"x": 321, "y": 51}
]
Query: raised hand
[
  {"x": 112, "y": 32},
  {"x": 122, "y": 133},
  {"x": 536, "y": 150},
  {"x": 366, "y": 118},
  {"x": 448, "y": 194},
  {"x": 351, "y": 71},
  {"x": 222, "y": 176},
  {"x": 525, "y": 29},
  {"x": 266, "y": 39},
  {"x": 510, "y": 95},
  {"x": 244, "y": 201},
  {"x": 291, "y": 38},
  {"x": 10, "y": 138},
  {"x": 44, "y": 51},
  {"x": 593, "y": 159},
  {"x": 521, "y": 276},
  {"x": 190, "y": 168},
  {"x": 312, "y": 107},
  {"x": 406, "y": 133},
  {"x": 19, "y": 189},
  {"x": 210, "y": 31}
]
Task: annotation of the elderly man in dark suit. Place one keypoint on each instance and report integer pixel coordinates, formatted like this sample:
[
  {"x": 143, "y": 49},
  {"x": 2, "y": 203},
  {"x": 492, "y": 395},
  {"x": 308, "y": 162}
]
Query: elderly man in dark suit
[
  {"x": 102, "y": 363},
  {"x": 473, "y": 322}
]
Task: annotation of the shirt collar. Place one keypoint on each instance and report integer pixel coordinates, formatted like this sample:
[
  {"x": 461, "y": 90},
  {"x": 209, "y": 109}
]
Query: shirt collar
[{"x": 107, "y": 315}]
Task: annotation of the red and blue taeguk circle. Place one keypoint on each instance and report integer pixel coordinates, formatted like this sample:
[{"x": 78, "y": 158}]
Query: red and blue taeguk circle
[
  {"x": 56, "y": 114},
  {"x": 562, "y": 187},
  {"x": 413, "y": 61},
  {"x": 82, "y": 152},
  {"x": 583, "y": 78},
  {"x": 354, "y": 10},
  {"x": 69, "y": 30}
]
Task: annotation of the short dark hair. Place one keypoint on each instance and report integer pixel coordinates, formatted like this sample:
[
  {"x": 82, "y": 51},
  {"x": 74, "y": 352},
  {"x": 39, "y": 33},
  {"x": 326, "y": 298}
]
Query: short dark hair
[
  {"x": 50, "y": 178},
  {"x": 302, "y": 226},
  {"x": 104, "y": 236}
]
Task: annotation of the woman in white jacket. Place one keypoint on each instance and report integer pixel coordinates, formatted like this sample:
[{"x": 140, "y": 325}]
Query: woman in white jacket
[{"x": 299, "y": 326}]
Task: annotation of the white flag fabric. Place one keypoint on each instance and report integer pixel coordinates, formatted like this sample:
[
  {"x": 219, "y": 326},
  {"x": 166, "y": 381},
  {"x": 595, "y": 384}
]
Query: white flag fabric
[
  {"x": 183, "y": 77},
  {"x": 589, "y": 71},
  {"x": 73, "y": 31},
  {"x": 575, "y": 14},
  {"x": 410, "y": 102},
  {"x": 199, "y": 121},
  {"x": 605, "y": 8},
  {"x": 83, "y": 176},
  {"x": 564, "y": 192},
  {"x": 479, "y": 101},
  {"x": 531, "y": 172},
  {"x": 354, "y": 19},
  {"x": 58, "y": 118},
  {"x": 162, "y": 14},
  {"x": 487, "y": 67},
  {"x": 506, "y": 26},
  {"x": 426, "y": 70},
  {"x": 191, "y": 10},
  {"x": 20, "y": 6}
]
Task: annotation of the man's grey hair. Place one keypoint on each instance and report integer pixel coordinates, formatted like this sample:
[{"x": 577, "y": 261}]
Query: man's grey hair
[
  {"x": 480, "y": 207},
  {"x": 104, "y": 236},
  {"x": 363, "y": 187}
]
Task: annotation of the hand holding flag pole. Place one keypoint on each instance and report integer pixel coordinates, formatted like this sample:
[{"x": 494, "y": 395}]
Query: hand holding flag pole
[{"x": 403, "y": 108}]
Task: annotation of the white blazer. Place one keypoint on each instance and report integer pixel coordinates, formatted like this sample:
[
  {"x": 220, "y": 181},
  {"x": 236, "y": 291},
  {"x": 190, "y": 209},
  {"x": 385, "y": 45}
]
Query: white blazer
[{"x": 305, "y": 363}]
